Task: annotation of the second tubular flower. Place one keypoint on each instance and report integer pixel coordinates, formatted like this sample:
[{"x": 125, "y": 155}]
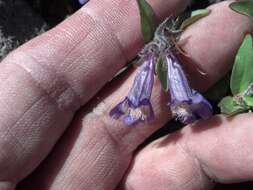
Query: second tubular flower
[{"x": 187, "y": 105}]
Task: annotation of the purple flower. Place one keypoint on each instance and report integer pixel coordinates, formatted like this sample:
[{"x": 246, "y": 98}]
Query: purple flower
[
  {"x": 187, "y": 105},
  {"x": 82, "y": 2},
  {"x": 136, "y": 107}
]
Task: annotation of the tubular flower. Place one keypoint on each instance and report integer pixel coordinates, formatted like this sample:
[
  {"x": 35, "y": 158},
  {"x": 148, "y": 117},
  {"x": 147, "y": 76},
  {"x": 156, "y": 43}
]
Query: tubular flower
[
  {"x": 187, "y": 105},
  {"x": 136, "y": 107}
]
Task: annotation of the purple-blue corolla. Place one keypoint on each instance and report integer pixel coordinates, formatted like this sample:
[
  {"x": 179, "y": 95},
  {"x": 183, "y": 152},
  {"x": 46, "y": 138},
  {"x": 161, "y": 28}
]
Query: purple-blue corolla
[
  {"x": 187, "y": 105},
  {"x": 136, "y": 107},
  {"x": 82, "y": 2}
]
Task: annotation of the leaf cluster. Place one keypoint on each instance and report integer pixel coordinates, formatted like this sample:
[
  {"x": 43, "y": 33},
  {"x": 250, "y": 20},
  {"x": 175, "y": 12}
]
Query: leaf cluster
[{"x": 241, "y": 81}]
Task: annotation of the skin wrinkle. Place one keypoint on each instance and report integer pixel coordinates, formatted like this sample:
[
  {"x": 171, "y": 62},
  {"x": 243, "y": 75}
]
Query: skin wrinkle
[
  {"x": 194, "y": 165},
  {"x": 91, "y": 145},
  {"x": 106, "y": 124},
  {"x": 2, "y": 78},
  {"x": 23, "y": 153},
  {"x": 173, "y": 173},
  {"x": 116, "y": 167},
  {"x": 197, "y": 162},
  {"x": 9, "y": 108},
  {"x": 124, "y": 146},
  {"x": 60, "y": 81},
  {"x": 118, "y": 163},
  {"x": 25, "y": 111},
  {"x": 14, "y": 122},
  {"x": 113, "y": 137},
  {"x": 108, "y": 29},
  {"x": 104, "y": 170},
  {"x": 232, "y": 144},
  {"x": 87, "y": 168},
  {"x": 113, "y": 22},
  {"x": 89, "y": 73},
  {"x": 89, "y": 181},
  {"x": 88, "y": 70},
  {"x": 104, "y": 129},
  {"x": 203, "y": 167},
  {"x": 58, "y": 183},
  {"x": 66, "y": 63},
  {"x": 83, "y": 161},
  {"x": 36, "y": 122},
  {"x": 50, "y": 65},
  {"x": 7, "y": 129},
  {"x": 8, "y": 133},
  {"x": 56, "y": 35},
  {"x": 4, "y": 155},
  {"x": 23, "y": 114}
]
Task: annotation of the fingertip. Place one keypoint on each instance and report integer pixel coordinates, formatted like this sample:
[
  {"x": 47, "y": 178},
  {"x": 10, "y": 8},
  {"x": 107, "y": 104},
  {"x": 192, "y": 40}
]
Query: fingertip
[{"x": 212, "y": 43}]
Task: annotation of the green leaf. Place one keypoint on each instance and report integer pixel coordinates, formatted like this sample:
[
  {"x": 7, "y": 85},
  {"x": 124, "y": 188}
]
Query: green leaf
[
  {"x": 242, "y": 75},
  {"x": 219, "y": 90},
  {"x": 244, "y": 7},
  {"x": 248, "y": 100},
  {"x": 195, "y": 16},
  {"x": 162, "y": 73},
  {"x": 148, "y": 24},
  {"x": 230, "y": 107}
]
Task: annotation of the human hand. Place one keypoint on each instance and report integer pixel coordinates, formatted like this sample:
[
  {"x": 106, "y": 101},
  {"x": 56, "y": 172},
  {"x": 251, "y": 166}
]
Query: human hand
[{"x": 44, "y": 82}]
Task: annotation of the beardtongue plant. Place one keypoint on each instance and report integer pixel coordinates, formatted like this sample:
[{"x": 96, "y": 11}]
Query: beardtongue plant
[{"x": 186, "y": 104}]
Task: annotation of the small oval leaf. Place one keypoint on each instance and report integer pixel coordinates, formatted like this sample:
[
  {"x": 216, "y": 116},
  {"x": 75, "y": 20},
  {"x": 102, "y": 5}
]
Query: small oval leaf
[
  {"x": 148, "y": 23},
  {"x": 162, "y": 73},
  {"x": 248, "y": 100},
  {"x": 230, "y": 107},
  {"x": 244, "y": 7},
  {"x": 195, "y": 16},
  {"x": 242, "y": 76}
]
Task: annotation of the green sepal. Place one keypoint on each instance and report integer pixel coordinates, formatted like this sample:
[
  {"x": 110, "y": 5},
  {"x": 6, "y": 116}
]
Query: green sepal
[{"x": 162, "y": 73}]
